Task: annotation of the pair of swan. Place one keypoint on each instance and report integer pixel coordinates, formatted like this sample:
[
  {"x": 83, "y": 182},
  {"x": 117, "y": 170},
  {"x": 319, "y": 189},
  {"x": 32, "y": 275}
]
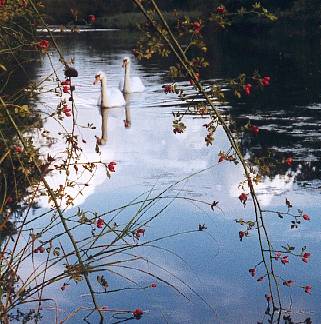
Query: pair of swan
[{"x": 113, "y": 97}]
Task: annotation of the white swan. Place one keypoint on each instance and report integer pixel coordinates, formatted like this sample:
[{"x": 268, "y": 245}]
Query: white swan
[
  {"x": 110, "y": 97},
  {"x": 130, "y": 84}
]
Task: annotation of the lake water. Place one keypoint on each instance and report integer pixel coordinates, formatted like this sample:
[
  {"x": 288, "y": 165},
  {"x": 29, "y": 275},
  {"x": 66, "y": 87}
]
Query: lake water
[{"x": 210, "y": 267}]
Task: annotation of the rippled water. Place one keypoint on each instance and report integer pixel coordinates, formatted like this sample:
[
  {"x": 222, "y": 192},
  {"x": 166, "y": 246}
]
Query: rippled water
[{"x": 214, "y": 263}]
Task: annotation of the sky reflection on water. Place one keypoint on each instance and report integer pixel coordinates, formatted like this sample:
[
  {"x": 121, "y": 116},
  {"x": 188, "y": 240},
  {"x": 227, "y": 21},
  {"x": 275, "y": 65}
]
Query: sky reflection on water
[{"x": 149, "y": 155}]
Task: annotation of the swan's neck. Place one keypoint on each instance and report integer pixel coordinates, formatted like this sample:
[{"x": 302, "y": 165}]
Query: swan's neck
[
  {"x": 104, "y": 97},
  {"x": 127, "y": 87}
]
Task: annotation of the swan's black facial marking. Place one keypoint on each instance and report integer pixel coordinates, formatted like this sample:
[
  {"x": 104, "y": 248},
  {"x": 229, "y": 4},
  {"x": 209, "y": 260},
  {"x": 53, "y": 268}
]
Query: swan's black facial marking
[
  {"x": 97, "y": 78},
  {"x": 125, "y": 62}
]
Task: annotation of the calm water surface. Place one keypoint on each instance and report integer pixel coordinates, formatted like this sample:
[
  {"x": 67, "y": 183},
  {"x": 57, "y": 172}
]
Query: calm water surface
[{"x": 149, "y": 156}]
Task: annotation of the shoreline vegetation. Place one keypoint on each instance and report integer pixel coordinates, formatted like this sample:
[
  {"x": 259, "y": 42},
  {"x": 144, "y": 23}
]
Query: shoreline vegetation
[
  {"x": 132, "y": 20},
  {"x": 124, "y": 14},
  {"x": 127, "y": 21}
]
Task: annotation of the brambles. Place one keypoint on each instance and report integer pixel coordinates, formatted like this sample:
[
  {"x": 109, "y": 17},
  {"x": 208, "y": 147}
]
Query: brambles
[
  {"x": 89, "y": 242},
  {"x": 180, "y": 44},
  {"x": 61, "y": 248}
]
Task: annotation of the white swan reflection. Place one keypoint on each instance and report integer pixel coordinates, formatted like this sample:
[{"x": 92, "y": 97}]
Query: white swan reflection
[{"x": 114, "y": 112}]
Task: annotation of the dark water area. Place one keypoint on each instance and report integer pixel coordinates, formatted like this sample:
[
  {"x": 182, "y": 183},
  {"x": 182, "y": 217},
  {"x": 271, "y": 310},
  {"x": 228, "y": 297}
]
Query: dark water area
[
  {"x": 210, "y": 268},
  {"x": 292, "y": 61},
  {"x": 288, "y": 111}
]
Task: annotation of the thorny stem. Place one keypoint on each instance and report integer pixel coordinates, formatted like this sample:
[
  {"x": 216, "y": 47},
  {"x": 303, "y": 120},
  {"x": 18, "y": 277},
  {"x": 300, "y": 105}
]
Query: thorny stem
[
  {"x": 181, "y": 56},
  {"x": 62, "y": 218},
  {"x": 62, "y": 59}
]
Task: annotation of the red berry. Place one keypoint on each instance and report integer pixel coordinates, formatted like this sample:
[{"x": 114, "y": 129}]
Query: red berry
[
  {"x": 197, "y": 26},
  {"x": 277, "y": 255},
  {"x": 111, "y": 166},
  {"x": 307, "y": 289},
  {"x": 91, "y": 18},
  {"x": 43, "y": 45},
  {"x": 248, "y": 88},
  {"x": 168, "y": 88},
  {"x": 66, "y": 109},
  {"x": 18, "y": 149},
  {"x": 243, "y": 198},
  {"x": 266, "y": 81},
  {"x": 9, "y": 200},
  {"x": 100, "y": 223},
  {"x": 220, "y": 9},
  {"x": 221, "y": 159},
  {"x": 254, "y": 129},
  {"x": 241, "y": 235},
  {"x": 289, "y": 161},
  {"x": 65, "y": 89},
  {"x": 306, "y": 217},
  {"x": 305, "y": 257},
  {"x": 138, "y": 313},
  {"x": 139, "y": 232},
  {"x": 39, "y": 249}
]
